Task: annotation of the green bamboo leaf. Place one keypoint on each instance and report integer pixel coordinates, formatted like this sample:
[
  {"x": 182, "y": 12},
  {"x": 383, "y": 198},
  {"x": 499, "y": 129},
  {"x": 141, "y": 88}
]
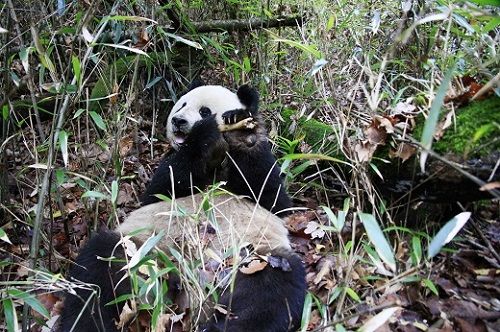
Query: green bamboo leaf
[
  {"x": 433, "y": 117},
  {"x": 429, "y": 284},
  {"x": 316, "y": 156},
  {"x": 77, "y": 70},
  {"x": 340, "y": 328},
  {"x": 447, "y": 233},
  {"x": 311, "y": 49},
  {"x": 486, "y": 2},
  {"x": 330, "y": 23},
  {"x": 378, "y": 239},
  {"x": 130, "y": 49},
  {"x": 185, "y": 41},
  {"x": 23, "y": 55},
  {"x": 352, "y": 294},
  {"x": 10, "y": 315},
  {"x": 30, "y": 300},
  {"x": 78, "y": 113},
  {"x": 338, "y": 223},
  {"x": 99, "y": 122},
  {"x": 247, "y": 67},
  {"x": 5, "y": 112},
  {"x": 416, "y": 249},
  {"x": 121, "y": 298},
  {"x": 144, "y": 250},
  {"x": 63, "y": 143},
  {"x": 492, "y": 23},
  {"x": 94, "y": 194},
  {"x": 153, "y": 82},
  {"x": 306, "y": 312},
  {"x": 47, "y": 63},
  {"x": 114, "y": 192},
  {"x": 129, "y": 18},
  {"x": 3, "y": 236}
]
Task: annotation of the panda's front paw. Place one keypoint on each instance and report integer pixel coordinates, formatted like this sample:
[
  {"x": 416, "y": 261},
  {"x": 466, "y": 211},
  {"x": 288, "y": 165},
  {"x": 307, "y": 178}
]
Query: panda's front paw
[
  {"x": 204, "y": 132},
  {"x": 235, "y": 116}
]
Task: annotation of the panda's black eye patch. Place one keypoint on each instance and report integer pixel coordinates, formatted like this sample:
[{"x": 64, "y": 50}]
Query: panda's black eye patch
[{"x": 205, "y": 111}]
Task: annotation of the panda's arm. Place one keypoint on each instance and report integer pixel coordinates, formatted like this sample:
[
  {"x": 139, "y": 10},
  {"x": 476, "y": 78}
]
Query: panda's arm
[
  {"x": 253, "y": 172},
  {"x": 193, "y": 166}
]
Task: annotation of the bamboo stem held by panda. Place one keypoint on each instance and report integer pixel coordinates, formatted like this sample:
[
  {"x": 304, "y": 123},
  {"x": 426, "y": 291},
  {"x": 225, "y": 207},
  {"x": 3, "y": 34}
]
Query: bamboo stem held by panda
[{"x": 247, "y": 123}]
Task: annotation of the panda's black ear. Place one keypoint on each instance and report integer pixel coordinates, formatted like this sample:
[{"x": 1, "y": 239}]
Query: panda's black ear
[
  {"x": 248, "y": 97},
  {"x": 194, "y": 84}
]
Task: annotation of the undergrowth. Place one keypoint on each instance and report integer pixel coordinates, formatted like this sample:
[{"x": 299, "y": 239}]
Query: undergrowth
[{"x": 87, "y": 85}]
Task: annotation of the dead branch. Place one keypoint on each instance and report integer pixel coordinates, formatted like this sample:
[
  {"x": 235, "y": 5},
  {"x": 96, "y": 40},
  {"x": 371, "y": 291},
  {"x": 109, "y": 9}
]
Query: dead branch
[{"x": 247, "y": 24}]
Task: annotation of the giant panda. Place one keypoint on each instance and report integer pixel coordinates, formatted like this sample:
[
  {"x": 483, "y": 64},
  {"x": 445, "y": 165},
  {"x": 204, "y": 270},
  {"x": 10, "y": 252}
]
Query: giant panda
[
  {"x": 228, "y": 228},
  {"x": 201, "y": 154},
  {"x": 268, "y": 300}
]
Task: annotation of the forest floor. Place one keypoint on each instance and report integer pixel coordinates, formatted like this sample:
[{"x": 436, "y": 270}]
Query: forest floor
[{"x": 461, "y": 292}]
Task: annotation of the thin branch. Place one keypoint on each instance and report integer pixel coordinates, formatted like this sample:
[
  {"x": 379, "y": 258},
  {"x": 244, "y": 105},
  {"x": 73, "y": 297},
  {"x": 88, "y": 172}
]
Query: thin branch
[
  {"x": 31, "y": 82},
  {"x": 245, "y": 25}
]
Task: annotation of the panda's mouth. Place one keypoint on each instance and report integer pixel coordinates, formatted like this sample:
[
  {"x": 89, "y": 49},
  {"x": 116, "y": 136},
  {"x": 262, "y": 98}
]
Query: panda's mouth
[{"x": 180, "y": 137}]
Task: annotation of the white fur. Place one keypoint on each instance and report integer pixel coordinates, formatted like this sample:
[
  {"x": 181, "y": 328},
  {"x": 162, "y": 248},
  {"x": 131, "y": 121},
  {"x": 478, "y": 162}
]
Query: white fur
[
  {"x": 217, "y": 98},
  {"x": 237, "y": 221}
]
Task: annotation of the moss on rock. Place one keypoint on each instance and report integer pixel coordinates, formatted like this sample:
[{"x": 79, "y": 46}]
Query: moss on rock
[
  {"x": 476, "y": 125},
  {"x": 315, "y": 131}
]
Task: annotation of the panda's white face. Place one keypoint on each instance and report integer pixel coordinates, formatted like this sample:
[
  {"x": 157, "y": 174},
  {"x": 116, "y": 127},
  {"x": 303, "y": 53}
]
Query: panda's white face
[{"x": 195, "y": 105}]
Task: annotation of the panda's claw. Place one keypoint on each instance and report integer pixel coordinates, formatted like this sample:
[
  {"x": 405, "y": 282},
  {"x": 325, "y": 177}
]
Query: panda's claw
[{"x": 234, "y": 116}]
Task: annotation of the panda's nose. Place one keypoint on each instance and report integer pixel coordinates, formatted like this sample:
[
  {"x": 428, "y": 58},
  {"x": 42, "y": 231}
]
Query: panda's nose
[{"x": 178, "y": 122}]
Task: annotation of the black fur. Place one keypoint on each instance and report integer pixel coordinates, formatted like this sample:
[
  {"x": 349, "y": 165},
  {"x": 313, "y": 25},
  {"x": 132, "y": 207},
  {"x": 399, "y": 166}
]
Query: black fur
[
  {"x": 270, "y": 300},
  {"x": 267, "y": 301},
  {"x": 194, "y": 84},
  {"x": 193, "y": 166},
  {"x": 250, "y": 155},
  {"x": 251, "y": 161},
  {"x": 87, "y": 268},
  {"x": 249, "y": 97}
]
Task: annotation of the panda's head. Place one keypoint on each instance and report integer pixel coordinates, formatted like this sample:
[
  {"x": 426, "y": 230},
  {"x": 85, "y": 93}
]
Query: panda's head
[{"x": 204, "y": 101}]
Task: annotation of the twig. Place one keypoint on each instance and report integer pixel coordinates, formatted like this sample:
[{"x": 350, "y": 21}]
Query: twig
[
  {"x": 483, "y": 237},
  {"x": 491, "y": 83},
  {"x": 247, "y": 123},
  {"x": 245, "y": 25},
  {"x": 31, "y": 82},
  {"x": 362, "y": 312}
]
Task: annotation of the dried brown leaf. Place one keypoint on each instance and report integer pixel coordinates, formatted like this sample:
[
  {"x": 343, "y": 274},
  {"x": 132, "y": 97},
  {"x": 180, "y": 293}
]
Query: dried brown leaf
[
  {"x": 375, "y": 134},
  {"x": 125, "y": 316},
  {"x": 404, "y": 151},
  {"x": 114, "y": 96},
  {"x": 125, "y": 145},
  {"x": 364, "y": 151},
  {"x": 255, "y": 265},
  {"x": 403, "y": 108},
  {"x": 387, "y": 124},
  {"x": 314, "y": 229},
  {"x": 443, "y": 125}
]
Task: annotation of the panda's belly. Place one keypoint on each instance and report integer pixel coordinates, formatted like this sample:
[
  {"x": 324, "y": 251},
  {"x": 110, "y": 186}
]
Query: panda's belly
[{"x": 226, "y": 222}]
